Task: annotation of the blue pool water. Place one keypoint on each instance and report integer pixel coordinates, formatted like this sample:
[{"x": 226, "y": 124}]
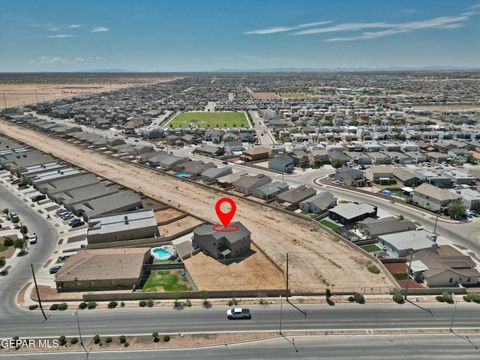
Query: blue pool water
[{"x": 163, "y": 252}]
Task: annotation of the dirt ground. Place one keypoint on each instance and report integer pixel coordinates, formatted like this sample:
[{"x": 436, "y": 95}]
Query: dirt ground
[
  {"x": 264, "y": 95},
  {"x": 167, "y": 215},
  {"x": 252, "y": 273},
  {"x": 319, "y": 259},
  {"x": 178, "y": 226},
  {"x": 15, "y": 94}
]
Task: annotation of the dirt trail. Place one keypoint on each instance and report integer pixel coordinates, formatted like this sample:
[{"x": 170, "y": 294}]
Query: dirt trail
[{"x": 317, "y": 259}]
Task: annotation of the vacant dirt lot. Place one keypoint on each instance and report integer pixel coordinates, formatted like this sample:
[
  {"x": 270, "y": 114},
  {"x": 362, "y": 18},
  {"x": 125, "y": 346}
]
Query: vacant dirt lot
[
  {"x": 448, "y": 107},
  {"x": 178, "y": 226},
  {"x": 17, "y": 94},
  {"x": 321, "y": 259},
  {"x": 167, "y": 215},
  {"x": 252, "y": 273},
  {"x": 264, "y": 95}
]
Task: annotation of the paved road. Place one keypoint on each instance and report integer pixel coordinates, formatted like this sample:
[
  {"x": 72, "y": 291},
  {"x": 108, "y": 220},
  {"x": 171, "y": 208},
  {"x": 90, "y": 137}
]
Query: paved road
[
  {"x": 167, "y": 320},
  {"x": 399, "y": 347},
  {"x": 11, "y": 284},
  {"x": 263, "y": 133}
]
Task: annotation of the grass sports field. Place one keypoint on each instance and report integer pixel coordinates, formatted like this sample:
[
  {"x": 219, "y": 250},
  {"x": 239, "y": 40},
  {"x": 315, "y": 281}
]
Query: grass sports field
[{"x": 209, "y": 120}]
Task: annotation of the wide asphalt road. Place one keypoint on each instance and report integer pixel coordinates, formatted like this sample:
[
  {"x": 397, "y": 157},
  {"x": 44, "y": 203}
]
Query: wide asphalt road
[
  {"x": 21, "y": 273},
  {"x": 197, "y": 319},
  {"x": 398, "y": 347}
]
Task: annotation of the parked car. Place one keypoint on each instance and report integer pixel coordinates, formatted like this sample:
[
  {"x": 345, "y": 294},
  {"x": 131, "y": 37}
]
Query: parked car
[
  {"x": 76, "y": 223},
  {"x": 238, "y": 313},
  {"x": 66, "y": 216},
  {"x": 33, "y": 239},
  {"x": 15, "y": 181},
  {"x": 225, "y": 162},
  {"x": 55, "y": 269},
  {"x": 61, "y": 211},
  {"x": 38, "y": 198}
]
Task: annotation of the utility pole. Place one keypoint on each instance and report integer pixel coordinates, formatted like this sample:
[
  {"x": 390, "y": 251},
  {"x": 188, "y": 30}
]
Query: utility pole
[
  {"x": 80, "y": 333},
  {"x": 408, "y": 273},
  {"x": 38, "y": 293},
  {"x": 286, "y": 280},
  {"x": 454, "y": 311},
  {"x": 281, "y": 315},
  {"x": 436, "y": 221},
  {"x": 4, "y": 100}
]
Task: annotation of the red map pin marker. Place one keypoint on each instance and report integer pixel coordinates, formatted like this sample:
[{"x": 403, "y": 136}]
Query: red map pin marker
[{"x": 225, "y": 218}]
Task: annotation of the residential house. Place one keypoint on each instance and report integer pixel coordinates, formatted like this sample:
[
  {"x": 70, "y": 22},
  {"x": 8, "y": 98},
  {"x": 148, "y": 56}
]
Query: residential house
[
  {"x": 103, "y": 269},
  {"x": 444, "y": 266},
  {"x": 300, "y": 158},
  {"x": 283, "y": 163},
  {"x": 269, "y": 191},
  {"x": 248, "y": 183},
  {"x": 256, "y": 153},
  {"x": 351, "y": 212},
  {"x": 433, "y": 198},
  {"x": 403, "y": 243},
  {"x": 405, "y": 176},
  {"x": 460, "y": 177},
  {"x": 380, "y": 174},
  {"x": 293, "y": 197},
  {"x": 470, "y": 198},
  {"x": 319, "y": 203},
  {"x": 222, "y": 244},
  {"x": 212, "y": 174},
  {"x": 350, "y": 177},
  {"x": 372, "y": 228}
]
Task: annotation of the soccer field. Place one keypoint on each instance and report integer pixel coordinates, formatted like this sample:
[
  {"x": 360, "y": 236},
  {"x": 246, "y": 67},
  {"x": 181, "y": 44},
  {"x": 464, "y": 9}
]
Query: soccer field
[{"x": 210, "y": 120}]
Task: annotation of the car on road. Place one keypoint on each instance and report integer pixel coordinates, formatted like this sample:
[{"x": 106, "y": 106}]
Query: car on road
[
  {"x": 55, "y": 269},
  {"x": 38, "y": 198},
  {"x": 225, "y": 162},
  {"x": 238, "y": 313},
  {"x": 33, "y": 239}
]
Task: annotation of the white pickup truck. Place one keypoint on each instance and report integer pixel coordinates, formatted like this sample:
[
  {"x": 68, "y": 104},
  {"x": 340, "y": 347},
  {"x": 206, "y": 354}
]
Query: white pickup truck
[{"x": 238, "y": 313}]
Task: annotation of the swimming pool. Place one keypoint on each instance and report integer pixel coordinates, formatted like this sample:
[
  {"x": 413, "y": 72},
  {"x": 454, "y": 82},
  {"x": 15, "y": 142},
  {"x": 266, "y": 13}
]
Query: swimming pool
[{"x": 164, "y": 252}]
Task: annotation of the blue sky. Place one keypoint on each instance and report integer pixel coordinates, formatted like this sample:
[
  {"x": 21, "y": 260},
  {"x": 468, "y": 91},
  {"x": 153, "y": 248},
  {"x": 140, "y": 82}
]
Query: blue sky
[{"x": 207, "y": 35}]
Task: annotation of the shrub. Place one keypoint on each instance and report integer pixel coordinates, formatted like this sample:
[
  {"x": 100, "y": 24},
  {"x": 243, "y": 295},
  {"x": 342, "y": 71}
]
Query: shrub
[
  {"x": 155, "y": 337},
  {"x": 475, "y": 297},
  {"x": 142, "y": 303},
  {"x": 63, "y": 307},
  {"x": 122, "y": 304},
  {"x": 8, "y": 241},
  {"x": 149, "y": 303},
  {"x": 91, "y": 305},
  {"x": 447, "y": 297},
  {"x": 166, "y": 338},
  {"x": 73, "y": 341},
  {"x": 112, "y": 304},
  {"x": 233, "y": 302},
  {"x": 123, "y": 339},
  {"x": 359, "y": 298},
  {"x": 82, "y": 305},
  {"x": 108, "y": 340},
  {"x": 398, "y": 298},
  {"x": 54, "y": 307},
  {"x": 33, "y": 307},
  {"x": 62, "y": 340},
  {"x": 373, "y": 269},
  {"x": 439, "y": 298},
  {"x": 188, "y": 303},
  {"x": 96, "y": 339},
  {"x": 328, "y": 293},
  {"x": 351, "y": 299},
  {"x": 126, "y": 344}
]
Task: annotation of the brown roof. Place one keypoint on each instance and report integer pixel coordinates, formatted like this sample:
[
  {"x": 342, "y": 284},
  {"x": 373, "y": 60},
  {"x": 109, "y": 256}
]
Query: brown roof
[
  {"x": 103, "y": 264},
  {"x": 256, "y": 151}
]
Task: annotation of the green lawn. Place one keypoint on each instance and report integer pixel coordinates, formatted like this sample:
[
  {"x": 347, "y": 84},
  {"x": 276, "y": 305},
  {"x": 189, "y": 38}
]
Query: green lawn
[
  {"x": 3, "y": 248},
  {"x": 400, "y": 194},
  {"x": 177, "y": 260},
  {"x": 166, "y": 280},
  {"x": 401, "y": 276},
  {"x": 329, "y": 224},
  {"x": 227, "y": 119},
  {"x": 370, "y": 248},
  {"x": 293, "y": 95}
]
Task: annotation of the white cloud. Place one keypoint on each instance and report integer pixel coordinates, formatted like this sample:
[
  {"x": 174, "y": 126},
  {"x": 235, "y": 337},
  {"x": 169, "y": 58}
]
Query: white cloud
[
  {"x": 47, "y": 60},
  {"x": 100, "y": 29},
  {"x": 345, "y": 27},
  {"x": 443, "y": 22},
  {"x": 279, "y": 29},
  {"x": 59, "y": 36},
  {"x": 52, "y": 28},
  {"x": 74, "y": 26}
]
